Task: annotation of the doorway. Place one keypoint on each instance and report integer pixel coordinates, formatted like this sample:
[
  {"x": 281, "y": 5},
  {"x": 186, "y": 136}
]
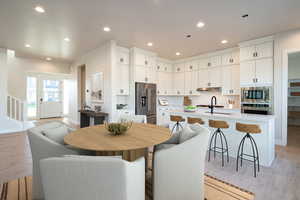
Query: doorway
[
  {"x": 47, "y": 96},
  {"x": 81, "y": 86},
  {"x": 293, "y": 103}
]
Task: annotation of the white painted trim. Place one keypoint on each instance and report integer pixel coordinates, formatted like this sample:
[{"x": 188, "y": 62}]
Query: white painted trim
[
  {"x": 257, "y": 41},
  {"x": 284, "y": 100}
]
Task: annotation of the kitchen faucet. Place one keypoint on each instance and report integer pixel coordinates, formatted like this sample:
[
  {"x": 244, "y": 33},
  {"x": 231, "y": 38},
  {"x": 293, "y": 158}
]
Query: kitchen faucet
[{"x": 212, "y": 104}]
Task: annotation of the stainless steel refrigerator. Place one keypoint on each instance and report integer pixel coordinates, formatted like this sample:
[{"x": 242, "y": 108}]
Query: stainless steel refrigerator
[{"x": 145, "y": 101}]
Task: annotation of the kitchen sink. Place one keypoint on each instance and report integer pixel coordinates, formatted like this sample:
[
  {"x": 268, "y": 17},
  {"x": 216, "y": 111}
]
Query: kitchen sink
[{"x": 220, "y": 113}]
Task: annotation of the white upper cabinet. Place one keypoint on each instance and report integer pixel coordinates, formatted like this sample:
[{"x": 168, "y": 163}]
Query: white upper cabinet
[
  {"x": 191, "y": 82},
  {"x": 215, "y": 61},
  {"x": 247, "y": 73},
  {"x": 231, "y": 58},
  {"x": 258, "y": 51},
  {"x": 179, "y": 67},
  {"x": 203, "y": 62},
  {"x": 264, "y": 50},
  {"x": 231, "y": 80},
  {"x": 191, "y": 66},
  {"x": 215, "y": 77},
  {"x": 140, "y": 74},
  {"x": 264, "y": 71},
  {"x": 140, "y": 59},
  {"x": 122, "y": 76},
  {"x": 257, "y": 72},
  {"x": 178, "y": 83},
  {"x": 211, "y": 77}
]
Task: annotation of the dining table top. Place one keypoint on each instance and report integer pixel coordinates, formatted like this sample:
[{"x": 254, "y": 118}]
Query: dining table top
[{"x": 97, "y": 138}]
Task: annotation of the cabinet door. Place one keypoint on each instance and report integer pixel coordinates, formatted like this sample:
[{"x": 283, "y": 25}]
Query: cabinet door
[
  {"x": 188, "y": 83},
  {"x": 264, "y": 71},
  {"x": 178, "y": 83},
  {"x": 215, "y": 76},
  {"x": 150, "y": 75},
  {"x": 159, "y": 66},
  {"x": 226, "y": 59},
  {"x": 226, "y": 80},
  {"x": 235, "y": 80},
  {"x": 169, "y": 83},
  {"x": 191, "y": 66},
  {"x": 247, "y": 73},
  {"x": 123, "y": 57},
  {"x": 264, "y": 50},
  {"x": 235, "y": 57},
  {"x": 179, "y": 67},
  {"x": 203, "y": 79},
  {"x": 247, "y": 53},
  {"x": 215, "y": 61},
  {"x": 140, "y": 59},
  {"x": 123, "y": 88},
  {"x": 160, "y": 83},
  {"x": 203, "y": 63},
  {"x": 140, "y": 74}
]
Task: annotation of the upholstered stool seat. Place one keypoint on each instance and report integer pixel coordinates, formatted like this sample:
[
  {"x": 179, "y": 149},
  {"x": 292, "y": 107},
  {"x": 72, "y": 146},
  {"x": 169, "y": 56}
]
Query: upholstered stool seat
[
  {"x": 248, "y": 129},
  {"x": 194, "y": 120},
  {"x": 213, "y": 146},
  {"x": 177, "y": 126}
]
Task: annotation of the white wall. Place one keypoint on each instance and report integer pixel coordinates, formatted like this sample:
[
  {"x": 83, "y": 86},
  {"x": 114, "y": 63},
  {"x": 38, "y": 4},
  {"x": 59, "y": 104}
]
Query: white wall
[
  {"x": 97, "y": 60},
  {"x": 294, "y": 66},
  {"x": 3, "y": 82},
  {"x": 19, "y": 68},
  {"x": 287, "y": 41}
]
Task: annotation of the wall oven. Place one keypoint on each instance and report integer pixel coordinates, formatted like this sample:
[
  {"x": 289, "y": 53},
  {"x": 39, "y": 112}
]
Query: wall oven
[{"x": 256, "y": 100}]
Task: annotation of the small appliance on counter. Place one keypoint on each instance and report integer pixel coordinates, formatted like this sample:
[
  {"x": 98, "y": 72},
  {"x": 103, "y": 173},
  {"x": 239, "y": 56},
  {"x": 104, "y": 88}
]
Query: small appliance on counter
[
  {"x": 256, "y": 100},
  {"x": 163, "y": 101},
  {"x": 190, "y": 108}
]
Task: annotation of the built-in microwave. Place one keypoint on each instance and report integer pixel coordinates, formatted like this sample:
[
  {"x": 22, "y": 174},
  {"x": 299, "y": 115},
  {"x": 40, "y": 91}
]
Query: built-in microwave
[
  {"x": 256, "y": 95},
  {"x": 256, "y": 100}
]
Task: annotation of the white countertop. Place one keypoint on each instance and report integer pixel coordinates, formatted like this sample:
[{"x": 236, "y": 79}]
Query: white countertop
[{"x": 233, "y": 114}]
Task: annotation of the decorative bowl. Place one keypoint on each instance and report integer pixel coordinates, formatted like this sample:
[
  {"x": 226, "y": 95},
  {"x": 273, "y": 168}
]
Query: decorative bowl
[{"x": 118, "y": 128}]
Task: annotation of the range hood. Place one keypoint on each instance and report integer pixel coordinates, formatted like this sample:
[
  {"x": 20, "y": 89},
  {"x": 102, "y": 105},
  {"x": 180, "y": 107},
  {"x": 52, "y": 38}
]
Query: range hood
[{"x": 209, "y": 89}]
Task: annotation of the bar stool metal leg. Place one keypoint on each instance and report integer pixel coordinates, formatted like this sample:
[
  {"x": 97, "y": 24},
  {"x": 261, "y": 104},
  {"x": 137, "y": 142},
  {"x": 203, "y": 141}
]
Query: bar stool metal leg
[
  {"x": 254, "y": 156},
  {"x": 224, "y": 146},
  {"x": 177, "y": 126}
]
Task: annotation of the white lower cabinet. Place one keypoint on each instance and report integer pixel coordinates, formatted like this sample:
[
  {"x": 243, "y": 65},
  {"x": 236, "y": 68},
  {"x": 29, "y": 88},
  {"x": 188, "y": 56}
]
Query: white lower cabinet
[
  {"x": 230, "y": 80},
  {"x": 163, "y": 117}
]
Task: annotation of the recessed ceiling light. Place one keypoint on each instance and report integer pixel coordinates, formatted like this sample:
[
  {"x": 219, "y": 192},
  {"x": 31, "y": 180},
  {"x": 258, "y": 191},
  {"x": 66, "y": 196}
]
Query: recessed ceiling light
[
  {"x": 39, "y": 9},
  {"x": 27, "y": 45},
  {"x": 150, "y": 44},
  {"x": 224, "y": 41},
  {"x": 178, "y": 53},
  {"x": 106, "y": 29},
  {"x": 67, "y": 39},
  {"x": 48, "y": 59},
  {"x": 200, "y": 24}
]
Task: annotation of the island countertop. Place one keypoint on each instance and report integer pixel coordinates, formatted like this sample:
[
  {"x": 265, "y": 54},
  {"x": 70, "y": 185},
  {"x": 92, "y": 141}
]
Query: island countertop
[{"x": 224, "y": 114}]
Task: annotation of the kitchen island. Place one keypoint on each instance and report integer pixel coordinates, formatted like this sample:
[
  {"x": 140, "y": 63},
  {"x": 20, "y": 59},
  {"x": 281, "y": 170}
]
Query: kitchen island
[{"x": 265, "y": 141}]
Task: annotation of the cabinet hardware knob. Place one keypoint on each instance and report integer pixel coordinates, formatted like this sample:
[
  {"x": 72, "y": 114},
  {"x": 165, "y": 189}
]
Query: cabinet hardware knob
[
  {"x": 191, "y": 67},
  {"x": 208, "y": 64},
  {"x": 158, "y": 67},
  {"x": 254, "y": 54},
  {"x": 121, "y": 60},
  {"x": 178, "y": 69},
  {"x": 146, "y": 63},
  {"x": 165, "y": 92},
  {"x": 157, "y": 91}
]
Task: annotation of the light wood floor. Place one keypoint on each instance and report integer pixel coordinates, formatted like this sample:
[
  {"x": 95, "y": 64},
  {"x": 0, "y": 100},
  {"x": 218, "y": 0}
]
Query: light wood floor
[{"x": 280, "y": 181}]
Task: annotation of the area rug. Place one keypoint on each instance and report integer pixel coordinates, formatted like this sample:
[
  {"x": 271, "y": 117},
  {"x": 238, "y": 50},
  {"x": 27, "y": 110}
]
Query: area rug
[{"x": 215, "y": 189}]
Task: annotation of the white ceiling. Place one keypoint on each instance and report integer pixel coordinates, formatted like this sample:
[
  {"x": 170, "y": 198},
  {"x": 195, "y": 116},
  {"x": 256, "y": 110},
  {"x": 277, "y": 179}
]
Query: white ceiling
[{"x": 136, "y": 22}]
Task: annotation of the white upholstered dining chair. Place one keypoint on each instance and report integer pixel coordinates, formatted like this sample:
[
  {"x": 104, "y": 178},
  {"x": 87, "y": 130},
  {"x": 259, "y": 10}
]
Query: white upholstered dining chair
[
  {"x": 93, "y": 178},
  {"x": 44, "y": 147},
  {"x": 133, "y": 118},
  {"x": 178, "y": 169}
]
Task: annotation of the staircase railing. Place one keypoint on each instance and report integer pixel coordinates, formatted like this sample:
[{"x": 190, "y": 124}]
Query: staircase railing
[{"x": 16, "y": 108}]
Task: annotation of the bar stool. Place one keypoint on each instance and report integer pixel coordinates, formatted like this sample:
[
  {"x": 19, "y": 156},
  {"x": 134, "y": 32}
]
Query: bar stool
[
  {"x": 193, "y": 120},
  {"x": 216, "y": 149},
  {"x": 249, "y": 129},
  {"x": 177, "y": 126}
]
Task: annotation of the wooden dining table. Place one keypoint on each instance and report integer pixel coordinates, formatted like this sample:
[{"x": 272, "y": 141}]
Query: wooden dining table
[{"x": 131, "y": 145}]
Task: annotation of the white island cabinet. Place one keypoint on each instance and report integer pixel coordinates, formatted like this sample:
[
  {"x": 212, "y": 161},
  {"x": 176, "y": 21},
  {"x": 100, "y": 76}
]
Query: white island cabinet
[{"x": 265, "y": 141}]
